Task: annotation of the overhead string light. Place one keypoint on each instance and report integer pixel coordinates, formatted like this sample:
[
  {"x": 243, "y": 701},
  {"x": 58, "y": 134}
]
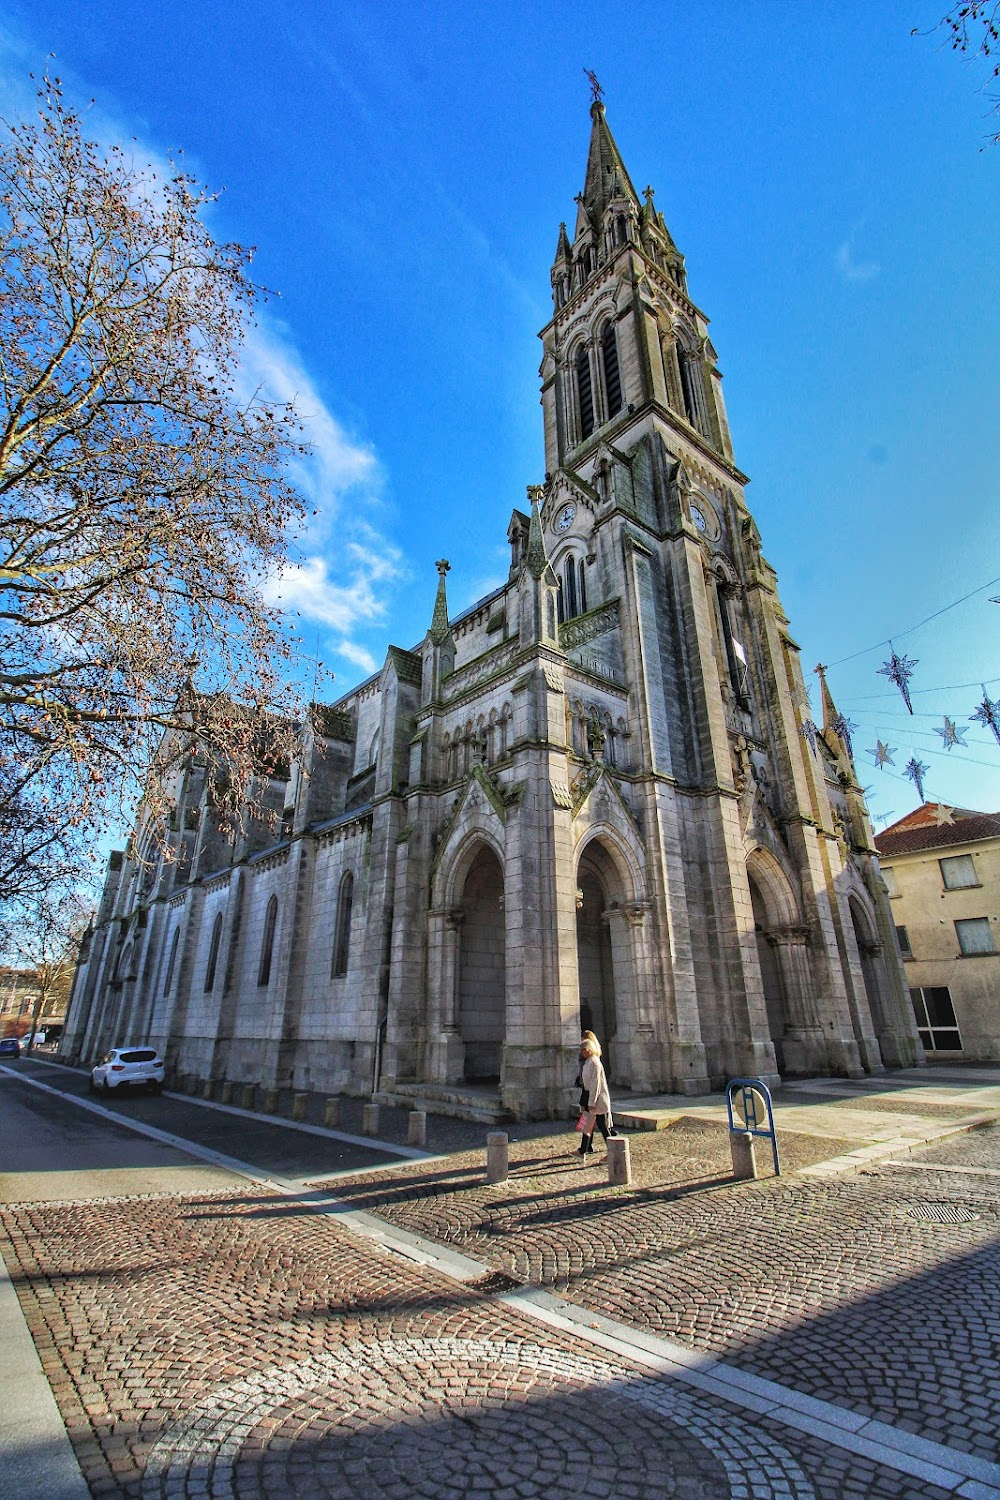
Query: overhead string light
[
  {"x": 883, "y": 754},
  {"x": 916, "y": 770},
  {"x": 988, "y": 714},
  {"x": 951, "y": 735},
  {"x": 899, "y": 670}
]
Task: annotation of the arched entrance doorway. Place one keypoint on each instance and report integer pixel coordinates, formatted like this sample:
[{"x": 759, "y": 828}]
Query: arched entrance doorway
[
  {"x": 596, "y": 880},
  {"x": 775, "y": 995},
  {"x": 482, "y": 1010}
]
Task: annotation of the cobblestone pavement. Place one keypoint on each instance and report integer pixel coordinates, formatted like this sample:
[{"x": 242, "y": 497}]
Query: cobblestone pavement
[
  {"x": 245, "y": 1345},
  {"x": 238, "y": 1345},
  {"x": 879, "y": 1293}
]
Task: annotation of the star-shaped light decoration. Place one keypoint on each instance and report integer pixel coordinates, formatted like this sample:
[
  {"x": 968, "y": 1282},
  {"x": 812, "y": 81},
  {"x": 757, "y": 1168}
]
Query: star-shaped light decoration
[
  {"x": 845, "y": 727},
  {"x": 883, "y": 754},
  {"x": 988, "y": 714},
  {"x": 951, "y": 735},
  {"x": 899, "y": 670},
  {"x": 916, "y": 771},
  {"x": 944, "y": 815},
  {"x": 809, "y": 732}
]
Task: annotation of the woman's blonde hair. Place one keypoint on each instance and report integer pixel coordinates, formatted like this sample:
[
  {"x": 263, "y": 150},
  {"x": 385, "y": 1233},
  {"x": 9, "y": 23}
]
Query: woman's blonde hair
[{"x": 589, "y": 1045}]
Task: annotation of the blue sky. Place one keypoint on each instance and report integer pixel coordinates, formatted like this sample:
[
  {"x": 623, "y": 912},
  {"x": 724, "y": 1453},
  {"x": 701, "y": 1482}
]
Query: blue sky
[{"x": 403, "y": 168}]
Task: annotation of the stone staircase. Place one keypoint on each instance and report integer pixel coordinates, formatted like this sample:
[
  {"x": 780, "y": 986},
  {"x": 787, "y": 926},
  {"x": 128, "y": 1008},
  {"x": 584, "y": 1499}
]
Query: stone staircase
[{"x": 456, "y": 1101}]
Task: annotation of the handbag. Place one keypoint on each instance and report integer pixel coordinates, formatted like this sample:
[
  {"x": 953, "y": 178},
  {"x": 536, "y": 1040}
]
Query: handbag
[{"x": 581, "y": 1125}]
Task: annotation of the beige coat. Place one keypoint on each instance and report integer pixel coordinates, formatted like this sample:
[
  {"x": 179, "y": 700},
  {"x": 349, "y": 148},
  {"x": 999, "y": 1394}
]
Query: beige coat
[{"x": 596, "y": 1083}]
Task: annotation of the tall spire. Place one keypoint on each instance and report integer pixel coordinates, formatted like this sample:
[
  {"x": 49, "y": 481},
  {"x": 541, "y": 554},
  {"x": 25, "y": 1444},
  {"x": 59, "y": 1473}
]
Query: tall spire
[
  {"x": 439, "y": 620},
  {"x": 607, "y": 177},
  {"x": 535, "y": 555},
  {"x": 836, "y": 728}
]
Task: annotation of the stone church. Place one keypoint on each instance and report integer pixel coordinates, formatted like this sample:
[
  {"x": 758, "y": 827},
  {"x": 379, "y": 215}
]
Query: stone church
[{"x": 598, "y": 798}]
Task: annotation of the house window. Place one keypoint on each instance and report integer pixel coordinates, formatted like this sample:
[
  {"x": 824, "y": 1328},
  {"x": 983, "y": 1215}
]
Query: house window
[
  {"x": 267, "y": 946},
  {"x": 213, "y": 954},
  {"x": 342, "y": 940},
  {"x": 958, "y": 872},
  {"x": 903, "y": 939},
  {"x": 935, "y": 1018},
  {"x": 612, "y": 377},
  {"x": 975, "y": 936},
  {"x": 168, "y": 981},
  {"x": 584, "y": 392},
  {"x": 889, "y": 879}
]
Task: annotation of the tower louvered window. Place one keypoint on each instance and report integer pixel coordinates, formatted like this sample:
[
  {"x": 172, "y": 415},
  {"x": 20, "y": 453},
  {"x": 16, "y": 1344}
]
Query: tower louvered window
[
  {"x": 584, "y": 391},
  {"x": 612, "y": 378}
]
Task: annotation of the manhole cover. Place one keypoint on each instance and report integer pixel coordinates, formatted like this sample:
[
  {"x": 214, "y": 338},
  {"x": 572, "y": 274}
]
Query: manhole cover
[{"x": 942, "y": 1213}]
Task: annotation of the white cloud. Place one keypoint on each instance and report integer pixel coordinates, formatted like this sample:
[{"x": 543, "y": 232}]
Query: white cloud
[
  {"x": 337, "y": 463},
  {"x": 345, "y": 565},
  {"x": 356, "y": 654},
  {"x": 853, "y": 270}
]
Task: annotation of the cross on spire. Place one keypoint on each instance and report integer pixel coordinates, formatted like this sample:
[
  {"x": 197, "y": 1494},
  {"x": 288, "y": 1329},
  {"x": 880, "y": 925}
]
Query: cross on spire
[{"x": 596, "y": 92}]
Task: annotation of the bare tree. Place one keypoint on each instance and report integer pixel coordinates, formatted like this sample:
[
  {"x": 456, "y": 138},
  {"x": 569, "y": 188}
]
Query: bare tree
[
  {"x": 143, "y": 496},
  {"x": 973, "y": 29},
  {"x": 48, "y": 943}
]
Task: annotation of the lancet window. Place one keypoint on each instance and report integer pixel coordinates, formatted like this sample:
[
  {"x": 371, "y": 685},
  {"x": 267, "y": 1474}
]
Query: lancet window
[{"x": 267, "y": 945}]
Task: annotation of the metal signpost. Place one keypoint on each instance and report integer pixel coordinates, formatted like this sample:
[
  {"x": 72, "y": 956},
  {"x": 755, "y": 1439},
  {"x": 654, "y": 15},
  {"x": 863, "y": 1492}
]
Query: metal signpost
[{"x": 754, "y": 1106}]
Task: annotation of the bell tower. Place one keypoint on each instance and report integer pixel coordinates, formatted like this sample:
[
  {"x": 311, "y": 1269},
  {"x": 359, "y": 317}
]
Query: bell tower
[
  {"x": 625, "y": 339},
  {"x": 755, "y": 872}
]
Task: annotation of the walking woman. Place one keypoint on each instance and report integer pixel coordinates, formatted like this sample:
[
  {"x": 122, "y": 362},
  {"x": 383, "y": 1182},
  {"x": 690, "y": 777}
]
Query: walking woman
[{"x": 595, "y": 1101}]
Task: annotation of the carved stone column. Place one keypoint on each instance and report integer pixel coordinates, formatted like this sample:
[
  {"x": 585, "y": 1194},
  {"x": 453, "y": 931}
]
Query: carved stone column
[
  {"x": 633, "y": 999},
  {"x": 806, "y": 1046},
  {"x": 446, "y": 1048}
]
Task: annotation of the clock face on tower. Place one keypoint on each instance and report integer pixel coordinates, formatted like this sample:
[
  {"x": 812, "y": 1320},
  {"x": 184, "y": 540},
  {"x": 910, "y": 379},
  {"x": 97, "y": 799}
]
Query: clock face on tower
[
  {"x": 565, "y": 517},
  {"x": 698, "y": 518}
]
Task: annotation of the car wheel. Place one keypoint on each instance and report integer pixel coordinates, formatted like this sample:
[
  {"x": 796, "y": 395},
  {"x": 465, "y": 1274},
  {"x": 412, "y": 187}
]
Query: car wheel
[
  {"x": 105, "y": 1087},
  {"x": 92, "y": 1086},
  {"x": 156, "y": 1088}
]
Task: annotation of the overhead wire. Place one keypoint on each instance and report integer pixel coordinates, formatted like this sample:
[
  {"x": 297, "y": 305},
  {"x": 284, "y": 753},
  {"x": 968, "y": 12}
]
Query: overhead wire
[{"x": 898, "y": 635}]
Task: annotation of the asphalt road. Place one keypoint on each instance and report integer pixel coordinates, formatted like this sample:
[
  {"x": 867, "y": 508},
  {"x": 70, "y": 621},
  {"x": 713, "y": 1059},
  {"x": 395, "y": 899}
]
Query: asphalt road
[{"x": 50, "y": 1123}]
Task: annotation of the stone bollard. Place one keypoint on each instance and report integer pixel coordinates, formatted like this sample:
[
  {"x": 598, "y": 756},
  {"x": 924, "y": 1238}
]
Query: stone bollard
[
  {"x": 331, "y": 1115},
  {"x": 496, "y": 1156},
  {"x": 744, "y": 1161},
  {"x": 369, "y": 1120},
  {"x": 249, "y": 1096},
  {"x": 272, "y": 1101},
  {"x": 619, "y": 1162},
  {"x": 299, "y": 1102},
  {"x": 418, "y": 1127},
  {"x": 227, "y": 1092}
]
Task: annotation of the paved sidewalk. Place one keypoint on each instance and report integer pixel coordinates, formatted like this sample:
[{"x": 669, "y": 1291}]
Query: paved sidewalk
[{"x": 686, "y": 1337}]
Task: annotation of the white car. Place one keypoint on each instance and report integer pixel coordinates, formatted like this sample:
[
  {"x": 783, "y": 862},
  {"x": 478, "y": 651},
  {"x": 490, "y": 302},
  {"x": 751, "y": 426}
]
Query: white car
[{"x": 128, "y": 1067}]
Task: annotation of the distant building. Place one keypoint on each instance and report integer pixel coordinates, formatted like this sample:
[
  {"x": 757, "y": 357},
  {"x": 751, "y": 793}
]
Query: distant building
[
  {"x": 597, "y": 798},
  {"x": 941, "y": 866},
  {"x": 19, "y": 990}
]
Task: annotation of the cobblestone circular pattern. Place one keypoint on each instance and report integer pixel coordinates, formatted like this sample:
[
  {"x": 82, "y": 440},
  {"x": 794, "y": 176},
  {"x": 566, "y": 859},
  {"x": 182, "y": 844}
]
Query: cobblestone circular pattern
[{"x": 448, "y": 1418}]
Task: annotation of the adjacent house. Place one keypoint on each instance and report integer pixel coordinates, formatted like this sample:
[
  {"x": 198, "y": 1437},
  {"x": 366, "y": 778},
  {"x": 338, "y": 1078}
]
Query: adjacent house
[{"x": 941, "y": 867}]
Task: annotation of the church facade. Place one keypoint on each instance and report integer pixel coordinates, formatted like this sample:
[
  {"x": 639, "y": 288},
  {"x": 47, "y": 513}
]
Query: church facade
[{"x": 598, "y": 799}]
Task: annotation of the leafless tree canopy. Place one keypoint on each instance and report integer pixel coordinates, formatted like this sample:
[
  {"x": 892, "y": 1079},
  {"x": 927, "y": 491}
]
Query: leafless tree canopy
[
  {"x": 142, "y": 494},
  {"x": 973, "y": 29}
]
